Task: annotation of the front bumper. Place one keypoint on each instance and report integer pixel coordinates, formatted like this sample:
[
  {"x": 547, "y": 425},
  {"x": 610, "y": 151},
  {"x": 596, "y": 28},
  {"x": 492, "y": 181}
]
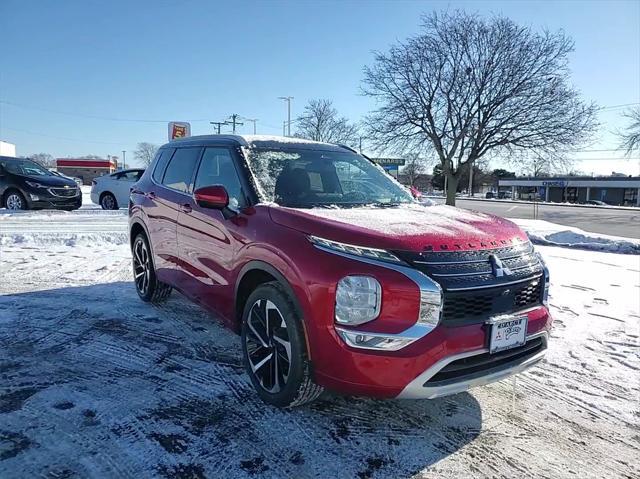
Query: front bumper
[
  {"x": 427, "y": 386},
  {"x": 53, "y": 202}
]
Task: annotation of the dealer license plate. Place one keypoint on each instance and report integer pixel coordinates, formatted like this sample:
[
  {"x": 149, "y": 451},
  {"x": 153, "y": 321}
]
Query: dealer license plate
[{"x": 507, "y": 332}]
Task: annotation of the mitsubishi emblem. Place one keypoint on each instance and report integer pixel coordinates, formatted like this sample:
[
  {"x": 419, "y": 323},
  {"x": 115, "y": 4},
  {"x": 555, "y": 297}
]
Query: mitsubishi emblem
[{"x": 499, "y": 270}]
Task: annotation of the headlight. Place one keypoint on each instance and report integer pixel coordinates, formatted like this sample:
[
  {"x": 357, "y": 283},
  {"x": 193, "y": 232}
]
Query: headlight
[
  {"x": 363, "y": 251},
  {"x": 357, "y": 300},
  {"x": 33, "y": 184}
]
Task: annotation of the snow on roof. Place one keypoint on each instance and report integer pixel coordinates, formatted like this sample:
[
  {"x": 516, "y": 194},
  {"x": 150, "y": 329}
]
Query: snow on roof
[{"x": 259, "y": 140}]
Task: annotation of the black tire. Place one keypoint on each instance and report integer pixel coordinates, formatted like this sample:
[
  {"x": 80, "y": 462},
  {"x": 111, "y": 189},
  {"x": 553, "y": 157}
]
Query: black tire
[
  {"x": 263, "y": 337},
  {"x": 144, "y": 275},
  {"x": 108, "y": 201},
  {"x": 14, "y": 200}
]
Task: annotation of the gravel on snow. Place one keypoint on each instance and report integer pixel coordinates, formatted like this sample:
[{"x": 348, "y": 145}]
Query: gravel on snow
[{"x": 95, "y": 383}]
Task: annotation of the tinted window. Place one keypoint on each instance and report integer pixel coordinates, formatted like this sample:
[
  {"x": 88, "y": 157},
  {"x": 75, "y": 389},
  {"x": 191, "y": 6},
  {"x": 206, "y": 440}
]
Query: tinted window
[
  {"x": 179, "y": 174},
  {"x": 129, "y": 176},
  {"x": 161, "y": 164},
  {"x": 25, "y": 167},
  {"x": 217, "y": 168}
]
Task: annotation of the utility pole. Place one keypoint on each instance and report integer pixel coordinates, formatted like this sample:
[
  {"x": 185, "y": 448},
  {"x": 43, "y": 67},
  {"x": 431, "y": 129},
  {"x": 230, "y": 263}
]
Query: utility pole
[
  {"x": 470, "y": 179},
  {"x": 288, "y": 100},
  {"x": 234, "y": 122},
  {"x": 124, "y": 161},
  {"x": 218, "y": 124},
  {"x": 284, "y": 128},
  {"x": 360, "y": 145},
  {"x": 254, "y": 121}
]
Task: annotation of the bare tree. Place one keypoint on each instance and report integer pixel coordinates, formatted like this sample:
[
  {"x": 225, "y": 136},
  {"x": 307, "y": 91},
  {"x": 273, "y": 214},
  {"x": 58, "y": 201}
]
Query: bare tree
[
  {"x": 320, "y": 122},
  {"x": 467, "y": 87},
  {"x": 631, "y": 135},
  {"x": 145, "y": 152},
  {"x": 44, "y": 159},
  {"x": 414, "y": 166}
]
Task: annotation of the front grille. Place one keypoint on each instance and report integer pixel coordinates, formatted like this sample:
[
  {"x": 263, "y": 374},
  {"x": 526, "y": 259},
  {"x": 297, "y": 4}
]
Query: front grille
[
  {"x": 64, "y": 192},
  {"x": 481, "y": 363},
  {"x": 478, "y": 305},
  {"x": 473, "y": 288}
]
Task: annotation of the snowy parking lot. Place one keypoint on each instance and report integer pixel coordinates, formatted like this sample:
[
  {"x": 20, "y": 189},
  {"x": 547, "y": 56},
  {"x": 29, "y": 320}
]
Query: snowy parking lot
[{"x": 96, "y": 383}]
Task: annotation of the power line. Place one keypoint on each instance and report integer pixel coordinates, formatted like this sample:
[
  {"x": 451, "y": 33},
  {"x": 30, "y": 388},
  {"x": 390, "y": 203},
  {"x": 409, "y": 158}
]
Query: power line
[
  {"x": 624, "y": 105},
  {"x": 95, "y": 117},
  {"x": 62, "y": 137}
]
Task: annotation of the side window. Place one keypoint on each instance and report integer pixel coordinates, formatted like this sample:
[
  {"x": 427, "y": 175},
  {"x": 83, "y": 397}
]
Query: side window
[
  {"x": 161, "y": 164},
  {"x": 131, "y": 176},
  {"x": 179, "y": 174},
  {"x": 217, "y": 168}
]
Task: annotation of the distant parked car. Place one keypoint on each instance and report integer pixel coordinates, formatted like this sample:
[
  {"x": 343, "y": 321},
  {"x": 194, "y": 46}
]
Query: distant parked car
[
  {"x": 26, "y": 185},
  {"x": 596, "y": 202},
  {"x": 504, "y": 195},
  {"x": 112, "y": 191},
  {"x": 490, "y": 195},
  {"x": 74, "y": 178}
]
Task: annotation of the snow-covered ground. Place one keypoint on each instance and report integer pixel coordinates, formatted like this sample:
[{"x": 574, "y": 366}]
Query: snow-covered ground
[{"x": 95, "y": 383}]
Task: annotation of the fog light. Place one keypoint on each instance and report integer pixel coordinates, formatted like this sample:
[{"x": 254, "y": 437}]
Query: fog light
[
  {"x": 34, "y": 197},
  {"x": 374, "y": 341},
  {"x": 357, "y": 300}
]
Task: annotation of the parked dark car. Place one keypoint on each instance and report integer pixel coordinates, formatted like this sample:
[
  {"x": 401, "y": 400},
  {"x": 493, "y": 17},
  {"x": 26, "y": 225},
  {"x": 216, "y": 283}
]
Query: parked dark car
[
  {"x": 596, "y": 202},
  {"x": 490, "y": 195},
  {"x": 332, "y": 273},
  {"x": 26, "y": 185}
]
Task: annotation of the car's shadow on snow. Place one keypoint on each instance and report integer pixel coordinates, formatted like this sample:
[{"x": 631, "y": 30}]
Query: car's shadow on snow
[{"x": 95, "y": 383}]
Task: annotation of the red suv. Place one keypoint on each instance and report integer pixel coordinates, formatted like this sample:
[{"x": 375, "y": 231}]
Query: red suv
[{"x": 332, "y": 273}]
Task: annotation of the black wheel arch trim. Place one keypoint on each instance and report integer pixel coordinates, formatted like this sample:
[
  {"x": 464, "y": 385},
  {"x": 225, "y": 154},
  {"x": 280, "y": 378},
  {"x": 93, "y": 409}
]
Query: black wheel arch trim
[
  {"x": 273, "y": 271},
  {"x": 146, "y": 233}
]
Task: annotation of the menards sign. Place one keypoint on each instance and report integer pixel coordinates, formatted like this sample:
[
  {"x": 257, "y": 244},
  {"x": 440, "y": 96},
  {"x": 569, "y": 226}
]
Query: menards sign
[{"x": 389, "y": 161}]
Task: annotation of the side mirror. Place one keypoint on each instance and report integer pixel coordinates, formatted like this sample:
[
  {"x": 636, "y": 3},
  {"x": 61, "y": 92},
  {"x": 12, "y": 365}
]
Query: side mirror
[{"x": 214, "y": 197}]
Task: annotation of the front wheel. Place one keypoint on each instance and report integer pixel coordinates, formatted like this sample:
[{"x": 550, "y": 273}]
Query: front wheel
[
  {"x": 274, "y": 349},
  {"x": 147, "y": 285},
  {"x": 15, "y": 201}
]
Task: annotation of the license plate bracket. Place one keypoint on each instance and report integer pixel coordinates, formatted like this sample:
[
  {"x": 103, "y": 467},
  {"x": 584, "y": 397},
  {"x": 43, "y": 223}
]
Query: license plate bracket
[{"x": 506, "y": 332}]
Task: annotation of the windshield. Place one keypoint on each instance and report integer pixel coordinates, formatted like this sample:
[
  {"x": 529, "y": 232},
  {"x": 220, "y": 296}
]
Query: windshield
[
  {"x": 303, "y": 178},
  {"x": 25, "y": 167}
]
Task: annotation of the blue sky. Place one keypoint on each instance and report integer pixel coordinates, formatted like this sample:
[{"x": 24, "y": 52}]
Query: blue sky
[{"x": 203, "y": 60}]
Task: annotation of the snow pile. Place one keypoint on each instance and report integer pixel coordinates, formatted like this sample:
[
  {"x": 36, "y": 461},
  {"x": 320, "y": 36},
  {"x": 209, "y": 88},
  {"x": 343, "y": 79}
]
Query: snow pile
[
  {"x": 84, "y": 227},
  {"x": 546, "y": 233}
]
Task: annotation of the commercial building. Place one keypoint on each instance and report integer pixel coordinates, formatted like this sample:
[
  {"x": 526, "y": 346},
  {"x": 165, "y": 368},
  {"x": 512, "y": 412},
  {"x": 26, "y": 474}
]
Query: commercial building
[
  {"x": 613, "y": 190},
  {"x": 86, "y": 168},
  {"x": 7, "y": 149}
]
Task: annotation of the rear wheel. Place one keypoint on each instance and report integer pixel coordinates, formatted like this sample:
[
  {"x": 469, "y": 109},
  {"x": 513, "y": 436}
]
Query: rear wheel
[
  {"x": 147, "y": 285},
  {"x": 15, "y": 201},
  {"x": 108, "y": 202},
  {"x": 274, "y": 348}
]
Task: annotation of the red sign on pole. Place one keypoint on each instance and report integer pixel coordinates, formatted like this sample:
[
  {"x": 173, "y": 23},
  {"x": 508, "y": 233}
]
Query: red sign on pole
[{"x": 179, "y": 129}]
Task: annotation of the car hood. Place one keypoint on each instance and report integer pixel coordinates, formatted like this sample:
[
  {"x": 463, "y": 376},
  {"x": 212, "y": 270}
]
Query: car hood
[
  {"x": 410, "y": 227},
  {"x": 53, "y": 181}
]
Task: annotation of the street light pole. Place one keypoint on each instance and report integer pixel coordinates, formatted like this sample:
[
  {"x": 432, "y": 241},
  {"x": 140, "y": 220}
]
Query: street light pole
[
  {"x": 124, "y": 159},
  {"x": 288, "y": 100},
  {"x": 254, "y": 121}
]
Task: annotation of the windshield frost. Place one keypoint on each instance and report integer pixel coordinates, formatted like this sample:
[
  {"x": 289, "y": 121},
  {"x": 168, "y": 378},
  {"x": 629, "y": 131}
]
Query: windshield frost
[{"x": 303, "y": 178}]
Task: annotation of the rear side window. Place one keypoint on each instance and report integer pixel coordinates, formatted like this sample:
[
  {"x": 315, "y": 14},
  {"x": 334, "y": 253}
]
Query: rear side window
[
  {"x": 161, "y": 164},
  {"x": 179, "y": 174}
]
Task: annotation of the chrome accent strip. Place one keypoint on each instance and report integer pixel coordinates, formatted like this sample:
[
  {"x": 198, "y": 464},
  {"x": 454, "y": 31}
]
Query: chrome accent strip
[
  {"x": 53, "y": 193},
  {"x": 416, "y": 389},
  {"x": 425, "y": 284},
  {"x": 498, "y": 285},
  {"x": 478, "y": 273}
]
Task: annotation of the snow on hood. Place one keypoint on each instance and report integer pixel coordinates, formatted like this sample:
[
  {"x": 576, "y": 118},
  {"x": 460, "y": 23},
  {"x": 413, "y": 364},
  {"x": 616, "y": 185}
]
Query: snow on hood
[{"x": 408, "y": 227}]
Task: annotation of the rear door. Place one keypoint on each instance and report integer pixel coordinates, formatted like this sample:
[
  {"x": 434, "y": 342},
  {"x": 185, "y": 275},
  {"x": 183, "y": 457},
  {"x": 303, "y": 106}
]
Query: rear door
[
  {"x": 171, "y": 187},
  {"x": 208, "y": 241}
]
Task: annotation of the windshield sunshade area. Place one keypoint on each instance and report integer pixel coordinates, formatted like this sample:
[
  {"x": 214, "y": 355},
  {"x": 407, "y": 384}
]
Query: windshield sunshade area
[
  {"x": 307, "y": 178},
  {"x": 25, "y": 167}
]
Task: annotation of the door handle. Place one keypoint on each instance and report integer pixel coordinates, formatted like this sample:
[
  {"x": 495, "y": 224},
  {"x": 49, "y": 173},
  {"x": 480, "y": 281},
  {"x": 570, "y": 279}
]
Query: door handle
[
  {"x": 186, "y": 208},
  {"x": 151, "y": 195}
]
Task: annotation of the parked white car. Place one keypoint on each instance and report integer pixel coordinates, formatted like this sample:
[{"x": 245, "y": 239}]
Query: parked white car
[{"x": 112, "y": 191}]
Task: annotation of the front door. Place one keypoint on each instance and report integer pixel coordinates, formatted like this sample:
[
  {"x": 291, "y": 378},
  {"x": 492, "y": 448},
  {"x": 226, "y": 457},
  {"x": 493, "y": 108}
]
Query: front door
[{"x": 209, "y": 239}]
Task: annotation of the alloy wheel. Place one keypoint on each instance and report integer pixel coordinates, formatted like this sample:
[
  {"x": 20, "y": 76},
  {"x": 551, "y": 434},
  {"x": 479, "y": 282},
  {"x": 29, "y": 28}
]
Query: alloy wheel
[
  {"x": 14, "y": 202},
  {"x": 268, "y": 346},
  {"x": 141, "y": 266},
  {"x": 108, "y": 202}
]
